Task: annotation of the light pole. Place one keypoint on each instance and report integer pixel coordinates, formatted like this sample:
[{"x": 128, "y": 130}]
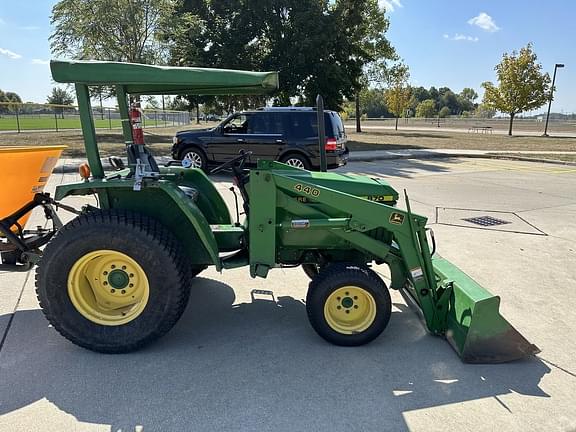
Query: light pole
[{"x": 556, "y": 66}]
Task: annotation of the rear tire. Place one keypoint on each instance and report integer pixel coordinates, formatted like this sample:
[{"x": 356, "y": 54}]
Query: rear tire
[
  {"x": 113, "y": 281},
  {"x": 348, "y": 305},
  {"x": 296, "y": 161}
]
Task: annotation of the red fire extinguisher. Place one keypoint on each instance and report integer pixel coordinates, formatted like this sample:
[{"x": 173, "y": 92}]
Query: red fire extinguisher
[{"x": 136, "y": 123}]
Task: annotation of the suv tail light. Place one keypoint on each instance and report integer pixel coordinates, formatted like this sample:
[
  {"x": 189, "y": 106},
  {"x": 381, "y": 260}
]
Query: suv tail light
[{"x": 331, "y": 144}]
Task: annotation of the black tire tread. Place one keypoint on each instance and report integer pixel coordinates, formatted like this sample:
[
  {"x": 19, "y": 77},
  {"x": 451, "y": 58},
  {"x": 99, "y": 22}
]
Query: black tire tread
[
  {"x": 333, "y": 274},
  {"x": 159, "y": 236}
]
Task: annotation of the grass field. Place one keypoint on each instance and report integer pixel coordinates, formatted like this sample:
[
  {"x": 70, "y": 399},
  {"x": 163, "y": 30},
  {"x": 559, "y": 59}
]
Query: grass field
[
  {"x": 159, "y": 140},
  {"x": 49, "y": 122}
]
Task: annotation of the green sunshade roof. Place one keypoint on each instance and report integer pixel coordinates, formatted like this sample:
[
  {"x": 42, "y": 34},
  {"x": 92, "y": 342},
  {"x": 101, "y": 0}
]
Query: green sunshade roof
[{"x": 148, "y": 79}]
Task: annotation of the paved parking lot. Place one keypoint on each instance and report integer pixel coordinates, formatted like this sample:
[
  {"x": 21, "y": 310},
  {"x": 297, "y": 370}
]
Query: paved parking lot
[{"x": 236, "y": 364}]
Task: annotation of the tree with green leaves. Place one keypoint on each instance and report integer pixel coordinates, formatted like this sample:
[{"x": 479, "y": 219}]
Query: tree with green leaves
[
  {"x": 521, "y": 84},
  {"x": 426, "y": 109},
  {"x": 117, "y": 30},
  {"x": 319, "y": 47},
  {"x": 9, "y": 101},
  {"x": 398, "y": 93},
  {"x": 60, "y": 97},
  {"x": 444, "y": 112}
]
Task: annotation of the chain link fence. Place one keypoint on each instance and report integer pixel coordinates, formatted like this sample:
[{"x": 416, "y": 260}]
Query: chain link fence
[
  {"x": 473, "y": 124},
  {"x": 23, "y": 117}
]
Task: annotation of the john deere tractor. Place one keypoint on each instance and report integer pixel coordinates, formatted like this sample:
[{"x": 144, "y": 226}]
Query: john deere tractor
[{"x": 118, "y": 276}]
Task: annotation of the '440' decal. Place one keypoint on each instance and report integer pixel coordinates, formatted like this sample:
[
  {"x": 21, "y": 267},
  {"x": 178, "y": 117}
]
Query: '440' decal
[{"x": 309, "y": 190}]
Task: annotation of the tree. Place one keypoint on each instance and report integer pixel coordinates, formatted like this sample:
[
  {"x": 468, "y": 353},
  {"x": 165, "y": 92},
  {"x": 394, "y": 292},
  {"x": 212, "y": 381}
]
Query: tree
[
  {"x": 426, "y": 109},
  {"x": 317, "y": 46},
  {"x": 444, "y": 112},
  {"x": 484, "y": 111},
  {"x": 117, "y": 30},
  {"x": 521, "y": 84},
  {"x": 469, "y": 94},
  {"x": 60, "y": 97},
  {"x": 9, "y": 101},
  {"x": 398, "y": 93}
]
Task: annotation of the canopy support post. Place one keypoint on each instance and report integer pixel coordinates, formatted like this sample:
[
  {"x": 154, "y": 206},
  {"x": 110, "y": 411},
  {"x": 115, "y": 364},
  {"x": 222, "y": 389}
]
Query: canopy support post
[{"x": 88, "y": 131}]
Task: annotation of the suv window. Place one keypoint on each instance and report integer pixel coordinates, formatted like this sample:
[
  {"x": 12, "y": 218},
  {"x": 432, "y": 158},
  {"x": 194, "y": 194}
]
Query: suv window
[
  {"x": 337, "y": 125},
  {"x": 305, "y": 124},
  {"x": 266, "y": 123},
  {"x": 239, "y": 124}
]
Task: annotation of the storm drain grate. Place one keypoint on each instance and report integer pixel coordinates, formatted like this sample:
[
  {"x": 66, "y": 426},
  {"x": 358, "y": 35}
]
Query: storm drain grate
[{"x": 486, "y": 221}]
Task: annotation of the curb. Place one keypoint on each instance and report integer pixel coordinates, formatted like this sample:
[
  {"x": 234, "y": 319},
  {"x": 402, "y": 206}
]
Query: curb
[{"x": 72, "y": 167}]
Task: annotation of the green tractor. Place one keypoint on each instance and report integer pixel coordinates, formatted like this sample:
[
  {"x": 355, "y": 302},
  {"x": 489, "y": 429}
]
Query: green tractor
[{"x": 118, "y": 276}]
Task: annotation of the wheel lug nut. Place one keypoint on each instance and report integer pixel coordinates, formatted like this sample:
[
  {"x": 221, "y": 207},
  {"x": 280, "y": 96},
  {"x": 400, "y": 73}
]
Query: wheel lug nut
[
  {"x": 347, "y": 293},
  {"x": 355, "y": 297},
  {"x": 123, "y": 291},
  {"x": 112, "y": 290},
  {"x": 113, "y": 266},
  {"x": 123, "y": 267},
  {"x": 338, "y": 307},
  {"x": 131, "y": 285},
  {"x": 355, "y": 306},
  {"x": 347, "y": 311},
  {"x": 105, "y": 273},
  {"x": 105, "y": 283},
  {"x": 338, "y": 298}
]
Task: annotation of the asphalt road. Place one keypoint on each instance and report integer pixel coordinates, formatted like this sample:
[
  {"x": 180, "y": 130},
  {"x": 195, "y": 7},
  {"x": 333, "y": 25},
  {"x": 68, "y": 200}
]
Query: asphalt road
[{"x": 236, "y": 364}]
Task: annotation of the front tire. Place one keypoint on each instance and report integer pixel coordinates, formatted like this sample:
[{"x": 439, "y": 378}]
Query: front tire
[
  {"x": 194, "y": 158},
  {"x": 348, "y": 305},
  {"x": 113, "y": 281}
]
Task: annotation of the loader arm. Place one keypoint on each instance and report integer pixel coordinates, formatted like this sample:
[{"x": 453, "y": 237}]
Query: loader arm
[{"x": 286, "y": 202}]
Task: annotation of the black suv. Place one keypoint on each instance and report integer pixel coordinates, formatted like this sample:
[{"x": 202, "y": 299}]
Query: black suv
[{"x": 288, "y": 135}]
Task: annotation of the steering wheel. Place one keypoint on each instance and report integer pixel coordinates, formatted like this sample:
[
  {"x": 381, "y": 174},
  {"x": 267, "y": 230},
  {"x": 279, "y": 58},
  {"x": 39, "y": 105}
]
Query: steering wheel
[{"x": 244, "y": 155}]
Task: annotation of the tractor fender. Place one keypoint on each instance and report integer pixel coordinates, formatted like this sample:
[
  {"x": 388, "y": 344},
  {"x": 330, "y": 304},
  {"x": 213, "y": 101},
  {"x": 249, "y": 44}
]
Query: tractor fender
[{"x": 162, "y": 200}]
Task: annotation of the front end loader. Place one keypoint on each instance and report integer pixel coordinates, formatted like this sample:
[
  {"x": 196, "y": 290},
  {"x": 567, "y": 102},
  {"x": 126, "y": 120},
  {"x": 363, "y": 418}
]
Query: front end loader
[{"x": 118, "y": 276}]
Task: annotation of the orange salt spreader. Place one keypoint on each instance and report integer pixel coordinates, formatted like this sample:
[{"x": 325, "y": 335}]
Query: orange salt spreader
[{"x": 24, "y": 172}]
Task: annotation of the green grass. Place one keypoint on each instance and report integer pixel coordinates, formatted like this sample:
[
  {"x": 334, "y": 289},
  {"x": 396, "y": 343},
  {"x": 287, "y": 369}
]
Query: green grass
[{"x": 48, "y": 122}]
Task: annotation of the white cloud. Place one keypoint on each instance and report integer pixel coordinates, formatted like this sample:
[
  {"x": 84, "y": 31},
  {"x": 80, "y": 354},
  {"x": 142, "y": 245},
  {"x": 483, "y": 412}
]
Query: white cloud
[
  {"x": 485, "y": 22},
  {"x": 390, "y": 5},
  {"x": 10, "y": 54},
  {"x": 461, "y": 37},
  {"x": 40, "y": 62}
]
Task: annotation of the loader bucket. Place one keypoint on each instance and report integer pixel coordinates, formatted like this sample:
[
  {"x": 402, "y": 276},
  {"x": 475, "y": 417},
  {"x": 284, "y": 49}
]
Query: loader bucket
[
  {"x": 24, "y": 171},
  {"x": 474, "y": 326}
]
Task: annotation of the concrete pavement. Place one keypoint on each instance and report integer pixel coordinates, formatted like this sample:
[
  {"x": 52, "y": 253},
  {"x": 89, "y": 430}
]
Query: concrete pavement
[{"x": 236, "y": 364}]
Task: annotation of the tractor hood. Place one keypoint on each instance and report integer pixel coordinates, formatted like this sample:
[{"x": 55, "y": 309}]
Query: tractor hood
[{"x": 370, "y": 188}]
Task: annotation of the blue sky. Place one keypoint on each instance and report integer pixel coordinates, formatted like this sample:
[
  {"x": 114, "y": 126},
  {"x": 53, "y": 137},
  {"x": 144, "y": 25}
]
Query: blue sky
[{"x": 452, "y": 43}]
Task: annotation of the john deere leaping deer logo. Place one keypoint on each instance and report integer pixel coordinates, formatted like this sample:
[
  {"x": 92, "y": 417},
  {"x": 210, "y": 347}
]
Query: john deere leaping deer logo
[{"x": 397, "y": 218}]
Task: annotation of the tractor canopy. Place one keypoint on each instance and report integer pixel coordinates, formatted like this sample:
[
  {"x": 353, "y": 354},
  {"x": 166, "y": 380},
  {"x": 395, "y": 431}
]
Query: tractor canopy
[{"x": 149, "y": 79}]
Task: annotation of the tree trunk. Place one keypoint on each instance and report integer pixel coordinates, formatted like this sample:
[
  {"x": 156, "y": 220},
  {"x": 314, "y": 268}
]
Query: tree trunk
[
  {"x": 511, "y": 120},
  {"x": 358, "y": 126},
  {"x": 396, "y": 128},
  {"x": 197, "y": 113}
]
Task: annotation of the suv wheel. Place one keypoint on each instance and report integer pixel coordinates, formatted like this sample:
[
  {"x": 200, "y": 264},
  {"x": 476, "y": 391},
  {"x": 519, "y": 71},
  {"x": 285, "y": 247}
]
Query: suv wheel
[
  {"x": 194, "y": 158},
  {"x": 296, "y": 161}
]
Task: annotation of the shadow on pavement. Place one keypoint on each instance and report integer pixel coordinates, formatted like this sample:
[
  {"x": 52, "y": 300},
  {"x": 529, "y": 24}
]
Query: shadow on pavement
[
  {"x": 406, "y": 168},
  {"x": 256, "y": 366}
]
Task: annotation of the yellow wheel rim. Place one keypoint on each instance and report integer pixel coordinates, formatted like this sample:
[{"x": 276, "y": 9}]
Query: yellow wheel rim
[
  {"x": 108, "y": 287},
  {"x": 350, "y": 310}
]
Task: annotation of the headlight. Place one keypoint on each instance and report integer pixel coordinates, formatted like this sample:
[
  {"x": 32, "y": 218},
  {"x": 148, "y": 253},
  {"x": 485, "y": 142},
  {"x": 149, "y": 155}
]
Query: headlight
[{"x": 175, "y": 140}]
